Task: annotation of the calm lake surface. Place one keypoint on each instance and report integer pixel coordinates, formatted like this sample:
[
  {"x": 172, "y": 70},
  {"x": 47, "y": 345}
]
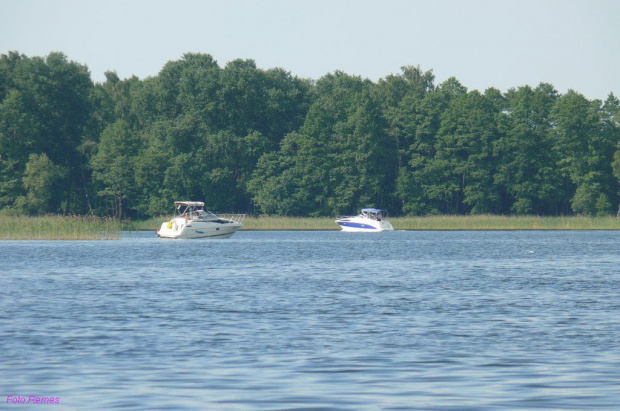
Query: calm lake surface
[{"x": 315, "y": 320}]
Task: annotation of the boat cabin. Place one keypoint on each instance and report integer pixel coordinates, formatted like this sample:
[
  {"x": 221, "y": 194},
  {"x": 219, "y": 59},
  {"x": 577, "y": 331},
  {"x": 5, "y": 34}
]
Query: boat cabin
[
  {"x": 374, "y": 213},
  {"x": 193, "y": 210}
]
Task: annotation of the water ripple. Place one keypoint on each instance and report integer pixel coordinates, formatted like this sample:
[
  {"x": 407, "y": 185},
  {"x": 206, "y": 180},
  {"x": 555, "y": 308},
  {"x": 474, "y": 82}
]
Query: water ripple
[{"x": 316, "y": 320}]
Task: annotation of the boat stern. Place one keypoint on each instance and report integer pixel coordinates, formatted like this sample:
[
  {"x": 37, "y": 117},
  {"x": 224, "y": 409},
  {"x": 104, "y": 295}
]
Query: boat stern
[
  {"x": 171, "y": 229},
  {"x": 386, "y": 226}
]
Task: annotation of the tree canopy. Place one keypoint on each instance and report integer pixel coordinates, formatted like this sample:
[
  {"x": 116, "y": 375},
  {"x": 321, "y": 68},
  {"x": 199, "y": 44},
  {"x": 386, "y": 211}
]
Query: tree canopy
[{"x": 245, "y": 139}]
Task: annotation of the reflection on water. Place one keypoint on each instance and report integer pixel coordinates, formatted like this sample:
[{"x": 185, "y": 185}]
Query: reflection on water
[{"x": 286, "y": 320}]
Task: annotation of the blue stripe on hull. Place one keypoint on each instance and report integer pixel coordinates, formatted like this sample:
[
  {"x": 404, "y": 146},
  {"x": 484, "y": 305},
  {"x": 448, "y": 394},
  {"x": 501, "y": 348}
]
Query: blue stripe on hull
[{"x": 356, "y": 225}]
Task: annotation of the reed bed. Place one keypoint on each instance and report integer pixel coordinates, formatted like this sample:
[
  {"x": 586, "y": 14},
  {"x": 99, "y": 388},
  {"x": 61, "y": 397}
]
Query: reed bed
[
  {"x": 151, "y": 224},
  {"x": 445, "y": 222},
  {"x": 496, "y": 222},
  {"x": 256, "y": 223},
  {"x": 289, "y": 223},
  {"x": 442, "y": 222},
  {"x": 55, "y": 227}
]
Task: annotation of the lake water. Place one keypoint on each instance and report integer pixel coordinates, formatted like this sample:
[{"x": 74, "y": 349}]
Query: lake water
[{"x": 314, "y": 320}]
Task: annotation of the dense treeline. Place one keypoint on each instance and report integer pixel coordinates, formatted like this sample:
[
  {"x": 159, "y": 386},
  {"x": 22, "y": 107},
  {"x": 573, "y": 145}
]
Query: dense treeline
[{"x": 263, "y": 141}]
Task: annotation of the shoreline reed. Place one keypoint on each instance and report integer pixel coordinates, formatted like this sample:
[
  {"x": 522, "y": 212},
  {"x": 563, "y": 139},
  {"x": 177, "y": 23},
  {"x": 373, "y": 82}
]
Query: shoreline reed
[
  {"x": 421, "y": 223},
  {"x": 59, "y": 227}
]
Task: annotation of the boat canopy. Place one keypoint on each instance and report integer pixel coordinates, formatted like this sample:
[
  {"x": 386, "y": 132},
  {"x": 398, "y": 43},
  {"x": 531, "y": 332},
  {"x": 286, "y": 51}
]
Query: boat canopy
[
  {"x": 372, "y": 210},
  {"x": 374, "y": 213},
  {"x": 189, "y": 203}
]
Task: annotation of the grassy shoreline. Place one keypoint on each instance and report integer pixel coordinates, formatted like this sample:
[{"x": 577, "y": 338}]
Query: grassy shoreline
[
  {"x": 430, "y": 223},
  {"x": 495, "y": 222},
  {"x": 92, "y": 228},
  {"x": 59, "y": 227}
]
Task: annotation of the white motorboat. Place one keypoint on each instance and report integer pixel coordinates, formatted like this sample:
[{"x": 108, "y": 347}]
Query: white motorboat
[
  {"x": 370, "y": 220},
  {"x": 192, "y": 221}
]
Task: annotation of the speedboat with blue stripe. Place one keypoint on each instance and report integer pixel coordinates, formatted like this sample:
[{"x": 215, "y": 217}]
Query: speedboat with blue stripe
[{"x": 371, "y": 220}]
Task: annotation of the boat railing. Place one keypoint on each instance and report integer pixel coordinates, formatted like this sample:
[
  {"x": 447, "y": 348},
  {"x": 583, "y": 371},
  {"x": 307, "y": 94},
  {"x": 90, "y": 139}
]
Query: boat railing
[{"x": 237, "y": 218}]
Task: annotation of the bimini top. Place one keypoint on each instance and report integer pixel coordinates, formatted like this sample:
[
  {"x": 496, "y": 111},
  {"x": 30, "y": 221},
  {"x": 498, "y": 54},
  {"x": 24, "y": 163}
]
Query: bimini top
[
  {"x": 371, "y": 210},
  {"x": 189, "y": 203}
]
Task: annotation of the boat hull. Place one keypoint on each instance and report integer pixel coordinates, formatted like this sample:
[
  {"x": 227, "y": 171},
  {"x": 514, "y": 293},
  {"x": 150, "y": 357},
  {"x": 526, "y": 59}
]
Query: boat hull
[
  {"x": 364, "y": 225},
  {"x": 179, "y": 228}
]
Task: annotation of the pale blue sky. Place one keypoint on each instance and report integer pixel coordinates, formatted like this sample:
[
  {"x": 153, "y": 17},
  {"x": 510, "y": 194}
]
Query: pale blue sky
[{"x": 483, "y": 43}]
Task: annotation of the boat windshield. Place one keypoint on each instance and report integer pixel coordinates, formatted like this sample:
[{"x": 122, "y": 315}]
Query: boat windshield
[
  {"x": 205, "y": 215},
  {"x": 195, "y": 212},
  {"x": 374, "y": 214}
]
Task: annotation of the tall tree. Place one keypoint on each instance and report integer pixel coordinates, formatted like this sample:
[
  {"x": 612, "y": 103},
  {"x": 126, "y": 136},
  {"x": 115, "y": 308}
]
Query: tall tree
[
  {"x": 420, "y": 185},
  {"x": 464, "y": 159},
  {"x": 527, "y": 171},
  {"x": 40, "y": 181},
  {"x": 586, "y": 153},
  {"x": 45, "y": 108},
  {"x": 114, "y": 165}
]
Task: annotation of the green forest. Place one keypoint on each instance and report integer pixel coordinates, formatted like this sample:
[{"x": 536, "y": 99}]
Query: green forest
[{"x": 266, "y": 142}]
